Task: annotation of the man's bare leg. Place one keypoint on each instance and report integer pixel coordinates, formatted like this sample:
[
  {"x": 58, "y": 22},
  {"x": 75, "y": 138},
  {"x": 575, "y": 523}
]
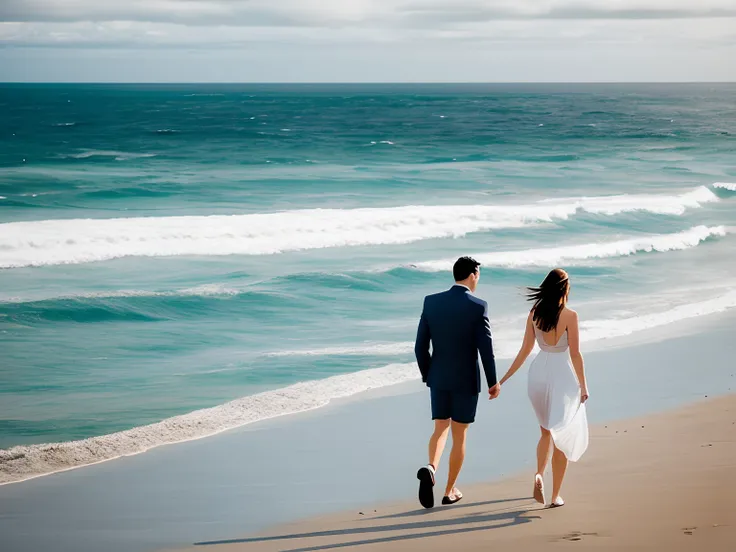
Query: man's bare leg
[
  {"x": 437, "y": 442},
  {"x": 457, "y": 454},
  {"x": 426, "y": 474}
]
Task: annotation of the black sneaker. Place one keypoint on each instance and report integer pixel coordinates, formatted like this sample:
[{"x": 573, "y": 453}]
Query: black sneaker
[{"x": 426, "y": 487}]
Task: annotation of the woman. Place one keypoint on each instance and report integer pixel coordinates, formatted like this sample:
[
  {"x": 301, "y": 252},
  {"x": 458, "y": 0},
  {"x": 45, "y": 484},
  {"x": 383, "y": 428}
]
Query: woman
[{"x": 557, "y": 387}]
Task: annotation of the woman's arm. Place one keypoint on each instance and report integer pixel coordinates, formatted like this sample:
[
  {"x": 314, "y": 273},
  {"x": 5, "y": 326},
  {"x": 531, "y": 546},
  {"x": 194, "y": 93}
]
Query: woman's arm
[
  {"x": 573, "y": 334},
  {"x": 526, "y": 348}
]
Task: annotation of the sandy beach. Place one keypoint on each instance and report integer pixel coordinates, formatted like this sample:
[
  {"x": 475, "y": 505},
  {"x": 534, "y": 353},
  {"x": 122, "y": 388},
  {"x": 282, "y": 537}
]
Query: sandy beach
[{"x": 658, "y": 482}]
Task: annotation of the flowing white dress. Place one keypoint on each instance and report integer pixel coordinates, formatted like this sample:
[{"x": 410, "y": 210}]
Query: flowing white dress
[{"x": 555, "y": 395}]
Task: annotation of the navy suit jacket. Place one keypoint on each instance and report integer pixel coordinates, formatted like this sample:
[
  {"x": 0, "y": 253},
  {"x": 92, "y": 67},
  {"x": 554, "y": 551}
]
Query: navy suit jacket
[{"x": 456, "y": 323}]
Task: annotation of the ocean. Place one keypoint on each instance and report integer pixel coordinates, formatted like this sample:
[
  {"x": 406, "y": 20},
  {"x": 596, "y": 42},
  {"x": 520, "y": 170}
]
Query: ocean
[{"x": 178, "y": 260}]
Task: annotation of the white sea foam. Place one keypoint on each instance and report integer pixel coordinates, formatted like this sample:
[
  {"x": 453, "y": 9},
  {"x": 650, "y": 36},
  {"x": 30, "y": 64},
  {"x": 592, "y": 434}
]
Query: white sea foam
[
  {"x": 572, "y": 254},
  {"x": 3, "y": 197},
  {"x": 653, "y": 203},
  {"x": 118, "y": 155},
  {"x": 74, "y": 241},
  {"x": 501, "y": 349},
  {"x": 204, "y": 290},
  {"x": 25, "y": 462},
  {"x": 596, "y": 330},
  {"x": 207, "y": 290},
  {"x": 731, "y": 186},
  {"x": 367, "y": 349}
]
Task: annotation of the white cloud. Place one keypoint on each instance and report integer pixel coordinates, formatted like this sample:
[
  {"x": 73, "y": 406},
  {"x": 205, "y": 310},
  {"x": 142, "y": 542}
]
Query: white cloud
[
  {"x": 341, "y": 12},
  {"x": 384, "y": 37},
  {"x": 152, "y": 34}
]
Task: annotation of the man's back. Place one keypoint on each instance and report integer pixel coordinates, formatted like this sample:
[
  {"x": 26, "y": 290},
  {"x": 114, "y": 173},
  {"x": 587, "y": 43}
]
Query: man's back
[{"x": 456, "y": 323}]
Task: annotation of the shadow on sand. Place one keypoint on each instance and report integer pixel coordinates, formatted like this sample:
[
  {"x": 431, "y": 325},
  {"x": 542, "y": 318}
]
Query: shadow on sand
[{"x": 431, "y": 527}]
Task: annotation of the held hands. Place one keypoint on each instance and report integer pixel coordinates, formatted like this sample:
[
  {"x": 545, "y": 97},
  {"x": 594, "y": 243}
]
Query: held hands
[{"x": 494, "y": 391}]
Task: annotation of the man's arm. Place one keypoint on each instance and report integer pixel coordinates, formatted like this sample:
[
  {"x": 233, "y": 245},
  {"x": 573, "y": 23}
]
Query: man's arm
[
  {"x": 485, "y": 347},
  {"x": 421, "y": 346}
]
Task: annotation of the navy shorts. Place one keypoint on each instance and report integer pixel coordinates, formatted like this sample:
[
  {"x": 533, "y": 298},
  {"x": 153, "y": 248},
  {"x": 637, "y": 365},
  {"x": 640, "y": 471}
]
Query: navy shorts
[{"x": 458, "y": 406}]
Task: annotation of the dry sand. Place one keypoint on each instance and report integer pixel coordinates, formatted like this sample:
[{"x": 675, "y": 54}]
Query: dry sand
[{"x": 664, "y": 482}]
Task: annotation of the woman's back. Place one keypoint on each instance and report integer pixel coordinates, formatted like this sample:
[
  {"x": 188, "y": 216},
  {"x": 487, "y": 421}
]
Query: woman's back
[
  {"x": 556, "y": 340},
  {"x": 556, "y": 383},
  {"x": 554, "y": 389}
]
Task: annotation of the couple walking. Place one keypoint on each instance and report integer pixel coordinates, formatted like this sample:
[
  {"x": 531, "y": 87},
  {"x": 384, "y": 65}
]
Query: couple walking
[{"x": 456, "y": 324}]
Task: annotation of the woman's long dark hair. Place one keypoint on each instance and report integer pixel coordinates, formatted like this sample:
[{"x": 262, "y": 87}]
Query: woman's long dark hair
[{"x": 549, "y": 299}]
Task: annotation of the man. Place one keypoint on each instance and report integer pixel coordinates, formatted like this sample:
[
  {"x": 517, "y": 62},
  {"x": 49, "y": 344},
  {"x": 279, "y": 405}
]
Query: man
[{"x": 456, "y": 323}]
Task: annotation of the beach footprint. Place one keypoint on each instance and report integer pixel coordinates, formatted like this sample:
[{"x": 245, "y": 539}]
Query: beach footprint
[{"x": 575, "y": 536}]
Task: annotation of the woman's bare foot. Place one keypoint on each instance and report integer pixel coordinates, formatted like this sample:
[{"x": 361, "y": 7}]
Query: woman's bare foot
[{"x": 539, "y": 488}]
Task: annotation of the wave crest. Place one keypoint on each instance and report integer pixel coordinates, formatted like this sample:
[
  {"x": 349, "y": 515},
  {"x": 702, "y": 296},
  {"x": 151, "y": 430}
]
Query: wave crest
[
  {"x": 117, "y": 155},
  {"x": 74, "y": 241},
  {"x": 549, "y": 256}
]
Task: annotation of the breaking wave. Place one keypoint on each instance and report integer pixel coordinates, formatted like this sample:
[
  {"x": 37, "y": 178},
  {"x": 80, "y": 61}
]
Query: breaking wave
[{"x": 51, "y": 242}]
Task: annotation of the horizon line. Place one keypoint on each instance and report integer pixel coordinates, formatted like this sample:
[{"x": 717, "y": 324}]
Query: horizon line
[{"x": 352, "y": 83}]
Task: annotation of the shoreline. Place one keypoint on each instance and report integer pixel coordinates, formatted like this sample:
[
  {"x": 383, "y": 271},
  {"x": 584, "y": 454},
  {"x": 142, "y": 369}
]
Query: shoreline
[
  {"x": 193, "y": 425},
  {"x": 21, "y": 451},
  {"x": 616, "y": 499}
]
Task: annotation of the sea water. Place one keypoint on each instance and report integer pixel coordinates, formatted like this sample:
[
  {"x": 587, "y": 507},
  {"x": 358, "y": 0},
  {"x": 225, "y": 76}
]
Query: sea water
[{"x": 177, "y": 260}]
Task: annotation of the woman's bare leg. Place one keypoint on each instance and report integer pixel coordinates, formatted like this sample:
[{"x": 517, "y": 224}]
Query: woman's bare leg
[
  {"x": 559, "y": 467},
  {"x": 543, "y": 450}
]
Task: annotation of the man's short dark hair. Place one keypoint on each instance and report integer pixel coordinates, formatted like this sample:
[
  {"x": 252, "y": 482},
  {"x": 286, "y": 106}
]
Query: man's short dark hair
[{"x": 464, "y": 267}]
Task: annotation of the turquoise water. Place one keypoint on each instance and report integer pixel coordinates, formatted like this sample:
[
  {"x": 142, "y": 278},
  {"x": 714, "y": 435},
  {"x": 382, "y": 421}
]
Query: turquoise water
[{"x": 166, "y": 249}]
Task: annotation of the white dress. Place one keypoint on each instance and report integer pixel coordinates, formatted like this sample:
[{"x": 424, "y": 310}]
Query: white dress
[{"x": 555, "y": 395}]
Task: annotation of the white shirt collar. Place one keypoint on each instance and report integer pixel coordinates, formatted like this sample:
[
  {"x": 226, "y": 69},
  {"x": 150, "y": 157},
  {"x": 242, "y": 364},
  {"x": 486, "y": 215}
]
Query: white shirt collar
[{"x": 463, "y": 285}]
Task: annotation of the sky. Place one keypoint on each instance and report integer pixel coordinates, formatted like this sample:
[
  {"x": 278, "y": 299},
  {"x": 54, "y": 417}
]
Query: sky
[{"x": 367, "y": 40}]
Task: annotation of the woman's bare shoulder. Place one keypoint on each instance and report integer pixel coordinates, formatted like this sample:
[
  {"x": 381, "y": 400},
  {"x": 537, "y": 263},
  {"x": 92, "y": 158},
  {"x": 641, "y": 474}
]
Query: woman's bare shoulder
[{"x": 569, "y": 314}]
